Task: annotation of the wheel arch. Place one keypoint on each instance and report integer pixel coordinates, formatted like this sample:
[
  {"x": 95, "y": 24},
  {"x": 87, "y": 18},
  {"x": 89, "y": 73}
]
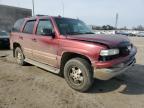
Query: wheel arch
[{"x": 66, "y": 56}]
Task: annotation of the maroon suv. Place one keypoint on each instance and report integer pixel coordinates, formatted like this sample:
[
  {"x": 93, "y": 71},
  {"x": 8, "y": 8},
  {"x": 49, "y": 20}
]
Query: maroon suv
[{"x": 68, "y": 47}]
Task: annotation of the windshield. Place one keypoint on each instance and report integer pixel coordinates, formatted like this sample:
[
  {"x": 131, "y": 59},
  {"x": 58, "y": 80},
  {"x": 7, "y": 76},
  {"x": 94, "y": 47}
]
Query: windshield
[
  {"x": 68, "y": 26},
  {"x": 3, "y": 33}
]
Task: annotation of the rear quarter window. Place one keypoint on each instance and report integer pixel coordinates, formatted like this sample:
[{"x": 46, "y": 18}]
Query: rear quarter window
[
  {"x": 18, "y": 25},
  {"x": 29, "y": 26}
]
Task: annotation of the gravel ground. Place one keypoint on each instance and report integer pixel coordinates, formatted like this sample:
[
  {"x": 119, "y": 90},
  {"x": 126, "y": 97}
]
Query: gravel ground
[{"x": 32, "y": 87}]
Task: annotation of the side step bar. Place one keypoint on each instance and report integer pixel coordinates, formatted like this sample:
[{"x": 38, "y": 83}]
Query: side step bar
[{"x": 43, "y": 66}]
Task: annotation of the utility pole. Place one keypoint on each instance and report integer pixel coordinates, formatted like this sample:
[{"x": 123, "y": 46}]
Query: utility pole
[
  {"x": 116, "y": 21},
  {"x": 33, "y": 4}
]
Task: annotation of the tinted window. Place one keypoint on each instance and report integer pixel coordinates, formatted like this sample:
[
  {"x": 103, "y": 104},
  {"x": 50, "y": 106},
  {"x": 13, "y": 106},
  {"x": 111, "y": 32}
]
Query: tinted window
[
  {"x": 72, "y": 26},
  {"x": 29, "y": 27},
  {"x": 44, "y": 24},
  {"x": 18, "y": 25}
]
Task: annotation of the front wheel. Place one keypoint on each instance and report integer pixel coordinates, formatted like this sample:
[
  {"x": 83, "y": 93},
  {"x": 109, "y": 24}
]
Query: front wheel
[{"x": 78, "y": 74}]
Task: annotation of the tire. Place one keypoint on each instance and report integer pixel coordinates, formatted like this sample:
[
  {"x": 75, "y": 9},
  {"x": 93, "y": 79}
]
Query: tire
[
  {"x": 78, "y": 74},
  {"x": 19, "y": 56}
]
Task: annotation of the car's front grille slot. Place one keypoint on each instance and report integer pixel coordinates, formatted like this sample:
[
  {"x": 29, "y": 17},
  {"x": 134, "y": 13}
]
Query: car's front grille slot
[{"x": 124, "y": 51}]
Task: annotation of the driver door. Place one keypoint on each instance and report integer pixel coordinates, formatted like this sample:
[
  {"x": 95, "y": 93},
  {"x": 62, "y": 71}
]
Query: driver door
[{"x": 45, "y": 45}]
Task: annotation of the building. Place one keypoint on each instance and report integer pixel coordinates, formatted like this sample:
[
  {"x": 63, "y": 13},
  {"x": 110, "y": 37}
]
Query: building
[{"x": 9, "y": 14}]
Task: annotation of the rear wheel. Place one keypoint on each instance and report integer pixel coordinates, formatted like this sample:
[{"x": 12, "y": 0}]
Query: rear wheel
[
  {"x": 19, "y": 56},
  {"x": 78, "y": 74}
]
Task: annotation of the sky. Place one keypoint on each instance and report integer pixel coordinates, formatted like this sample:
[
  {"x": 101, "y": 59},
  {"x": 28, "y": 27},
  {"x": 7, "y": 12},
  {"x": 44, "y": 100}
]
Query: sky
[{"x": 93, "y": 12}]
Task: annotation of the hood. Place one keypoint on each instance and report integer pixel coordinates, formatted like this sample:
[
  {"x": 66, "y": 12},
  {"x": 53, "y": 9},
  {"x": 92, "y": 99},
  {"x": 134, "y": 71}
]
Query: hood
[{"x": 111, "y": 41}]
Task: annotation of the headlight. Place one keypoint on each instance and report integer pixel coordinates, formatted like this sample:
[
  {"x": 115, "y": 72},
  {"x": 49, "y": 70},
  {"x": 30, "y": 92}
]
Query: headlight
[{"x": 109, "y": 52}]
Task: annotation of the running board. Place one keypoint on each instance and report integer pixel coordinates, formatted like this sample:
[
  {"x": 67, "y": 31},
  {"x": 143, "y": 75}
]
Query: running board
[{"x": 43, "y": 66}]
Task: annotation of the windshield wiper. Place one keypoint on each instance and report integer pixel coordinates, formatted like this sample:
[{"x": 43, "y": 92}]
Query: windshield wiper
[
  {"x": 74, "y": 33},
  {"x": 78, "y": 33},
  {"x": 89, "y": 33}
]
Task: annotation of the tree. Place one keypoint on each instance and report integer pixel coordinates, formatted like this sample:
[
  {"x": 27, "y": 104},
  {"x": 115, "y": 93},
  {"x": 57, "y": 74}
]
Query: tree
[
  {"x": 108, "y": 27},
  {"x": 140, "y": 28},
  {"x": 104, "y": 27},
  {"x": 123, "y": 28}
]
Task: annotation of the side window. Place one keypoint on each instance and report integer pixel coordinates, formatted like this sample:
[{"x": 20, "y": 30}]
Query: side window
[
  {"x": 29, "y": 26},
  {"x": 17, "y": 25},
  {"x": 44, "y": 25}
]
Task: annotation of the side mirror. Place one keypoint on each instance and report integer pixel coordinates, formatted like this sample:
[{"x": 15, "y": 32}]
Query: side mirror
[
  {"x": 13, "y": 29},
  {"x": 47, "y": 32}
]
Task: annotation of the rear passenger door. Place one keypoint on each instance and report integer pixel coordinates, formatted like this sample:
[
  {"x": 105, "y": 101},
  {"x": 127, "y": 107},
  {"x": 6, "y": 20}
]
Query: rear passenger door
[
  {"x": 16, "y": 32},
  {"x": 27, "y": 38},
  {"x": 45, "y": 46}
]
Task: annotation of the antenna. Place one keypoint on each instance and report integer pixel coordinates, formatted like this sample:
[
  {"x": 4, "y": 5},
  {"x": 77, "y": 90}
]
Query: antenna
[{"x": 33, "y": 3}]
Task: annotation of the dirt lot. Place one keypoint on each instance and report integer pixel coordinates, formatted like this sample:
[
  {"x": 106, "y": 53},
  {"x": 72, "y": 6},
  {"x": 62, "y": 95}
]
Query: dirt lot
[{"x": 32, "y": 87}]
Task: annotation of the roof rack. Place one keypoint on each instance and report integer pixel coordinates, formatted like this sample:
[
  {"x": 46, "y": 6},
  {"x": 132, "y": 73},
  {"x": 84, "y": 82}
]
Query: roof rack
[{"x": 40, "y": 15}]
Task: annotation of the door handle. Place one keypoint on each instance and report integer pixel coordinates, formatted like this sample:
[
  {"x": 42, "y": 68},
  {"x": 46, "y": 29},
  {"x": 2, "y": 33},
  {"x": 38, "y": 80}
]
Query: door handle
[
  {"x": 20, "y": 37},
  {"x": 34, "y": 39}
]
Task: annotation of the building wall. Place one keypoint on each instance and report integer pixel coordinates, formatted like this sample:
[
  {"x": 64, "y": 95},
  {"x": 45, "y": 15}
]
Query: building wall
[{"x": 9, "y": 14}]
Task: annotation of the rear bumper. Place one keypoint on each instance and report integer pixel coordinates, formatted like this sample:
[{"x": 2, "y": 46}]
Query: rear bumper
[
  {"x": 110, "y": 69},
  {"x": 108, "y": 73}
]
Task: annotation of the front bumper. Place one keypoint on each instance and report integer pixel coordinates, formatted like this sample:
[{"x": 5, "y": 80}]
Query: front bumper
[
  {"x": 108, "y": 73},
  {"x": 110, "y": 69},
  {"x": 119, "y": 60}
]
